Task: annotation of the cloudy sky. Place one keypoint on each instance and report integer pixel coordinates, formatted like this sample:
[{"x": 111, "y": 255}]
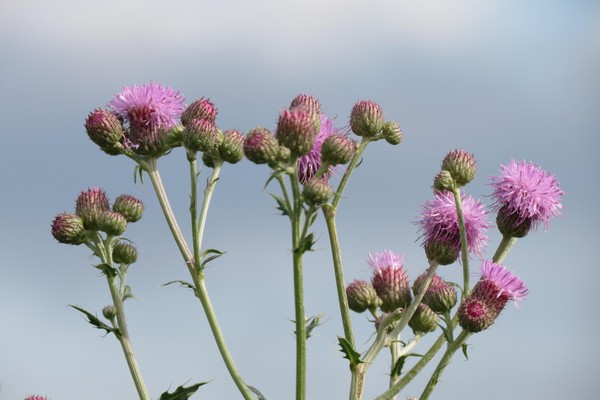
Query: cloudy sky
[{"x": 502, "y": 79}]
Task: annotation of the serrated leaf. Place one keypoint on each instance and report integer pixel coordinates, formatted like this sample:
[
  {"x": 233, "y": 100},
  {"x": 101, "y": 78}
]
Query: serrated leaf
[
  {"x": 257, "y": 393},
  {"x": 397, "y": 370},
  {"x": 182, "y": 283},
  {"x": 95, "y": 321},
  {"x": 273, "y": 176},
  {"x": 312, "y": 323},
  {"x": 352, "y": 355},
  {"x": 306, "y": 244},
  {"x": 106, "y": 269},
  {"x": 182, "y": 392},
  {"x": 464, "y": 350},
  {"x": 281, "y": 204}
]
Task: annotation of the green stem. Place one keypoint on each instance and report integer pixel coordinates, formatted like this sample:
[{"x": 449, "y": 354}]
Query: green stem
[
  {"x": 444, "y": 361},
  {"x": 208, "y": 192},
  {"x": 503, "y": 248},
  {"x": 353, "y": 163},
  {"x": 338, "y": 270},
  {"x": 191, "y": 261},
  {"x": 464, "y": 250},
  {"x": 395, "y": 348}
]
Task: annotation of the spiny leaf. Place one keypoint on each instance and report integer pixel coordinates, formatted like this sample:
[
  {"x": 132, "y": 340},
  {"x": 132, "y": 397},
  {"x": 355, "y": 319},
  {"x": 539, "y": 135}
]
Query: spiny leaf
[
  {"x": 181, "y": 393},
  {"x": 352, "y": 355},
  {"x": 127, "y": 293},
  {"x": 257, "y": 393},
  {"x": 95, "y": 321},
  {"x": 446, "y": 332},
  {"x": 106, "y": 269},
  {"x": 312, "y": 323},
  {"x": 182, "y": 283},
  {"x": 397, "y": 370},
  {"x": 138, "y": 171},
  {"x": 306, "y": 244},
  {"x": 464, "y": 350},
  {"x": 273, "y": 176},
  {"x": 281, "y": 204}
]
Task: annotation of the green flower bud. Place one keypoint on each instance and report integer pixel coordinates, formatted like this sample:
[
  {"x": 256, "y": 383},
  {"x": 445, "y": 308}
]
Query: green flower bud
[
  {"x": 366, "y": 118},
  {"x": 260, "y": 146},
  {"x": 68, "y": 228},
  {"x": 109, "y": 312},
  {"x": 199, "y": 109},
  {"x": 317, "y": 192},
  {"x": 362, "y": 296},
  {"x": 89, "y": 207},
  {"x": 201, "y": 135},
  {"x": 174, "y": 136},
  {"x": 208, "y": 159},
  {"x": 297, "y": 129},
  {"x": 424, "y": 320},
  {"x": 337, "y": 149},
  {"x": 443, "y": 181},
  {"x": 392, "y": 133},
  {"x": 442, "y": 252},
  {"x": 130, "y": 207},
  {"x": 440, "y": 296},
  {"x": 104, "y": 128},
  {"x": 306, "y": 100},
  {"x": 511, "y": 224},
  {"x": 231, "y": 148},
  {"x": 461, "y": 165},
  {"x": 113, "y": 223},
  {"x": 124, "y": 253}
]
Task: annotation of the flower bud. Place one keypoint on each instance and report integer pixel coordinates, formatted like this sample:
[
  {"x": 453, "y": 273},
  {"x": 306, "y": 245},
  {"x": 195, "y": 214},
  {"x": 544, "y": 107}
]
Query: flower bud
[
  {"x": 317, "y": 192},
  {"x": 124, "y": 253},
  {"x": 113, "y": 223},
  {"x": 392, "y": 133},
  {"x": 366, "y": 118},
  {"x": 208, "y": 158},
  {"x": 231, "y": 148},
  {"x": 337, "y": 149},
  {"x": 443, "y": 181},
  {"x": 362, "y": 296},
  {"x": 89, "y": 207},
  {"x": 199, "y": 109},
  {"x": 130, "y": 207},
  {"x": 391, "y": 284},
  {"x": 260, "y": 146},
  {"x": 283, "y": 154},
  {"x": 442, "y": 252},
  {"x": 296, "y": 130},
  {"x": 306, "y": 100},
  {"x": 109, "y": 312},
  {"x": 68, "y": 228},
  {"x": 174, "y": 136},
  {"x": 440, "y": 296},
  {"x": 512, "y": 224},
  {"x": 461, "y": 165},
  {"x": 201, "y": 135},
  {"x": 104, "y": 128},
  {"x": 424, "y": 320}
]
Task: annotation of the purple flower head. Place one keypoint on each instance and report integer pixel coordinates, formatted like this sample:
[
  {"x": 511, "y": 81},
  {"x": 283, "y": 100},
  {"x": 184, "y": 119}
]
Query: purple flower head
[
  {"x": 508, "y": 284},
  {"x": 439, "y": 222},
  {"x": 309, "y": 164},
  {"x": 389, "y": 280},
  {"x": 150, "y": 110},
  {"x": 526, "y": 193}
]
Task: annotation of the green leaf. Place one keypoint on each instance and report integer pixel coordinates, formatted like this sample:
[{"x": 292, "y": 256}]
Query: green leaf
[
  {"x": 257, "y": 392},
  {"x": 184, "y": 284},
  {"x": 127, "y": 293},
  {"x": 138, "y": 171},
  {"x": 217, "y": 254},
  {"x": 352, "y": 355},
  {"x": 274, "y": 175},
  {"x": 306, "y": 244},
  {"x": 397, "y": 370},
  {"x": 106, "y": 269},
  {"x": 95, "y": 321},
  {"x": 464, "y": 350},
  {"x": 181, "y": 393},
  {"x": 446, "y": 332},
  {"x": 312, "y": 323},
  {"x": 281, "y": 204}
]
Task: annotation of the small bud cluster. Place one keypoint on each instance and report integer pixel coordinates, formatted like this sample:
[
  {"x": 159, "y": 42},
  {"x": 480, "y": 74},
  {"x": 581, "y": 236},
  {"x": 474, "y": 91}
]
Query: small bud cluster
[{"x": 94, "y": 214}]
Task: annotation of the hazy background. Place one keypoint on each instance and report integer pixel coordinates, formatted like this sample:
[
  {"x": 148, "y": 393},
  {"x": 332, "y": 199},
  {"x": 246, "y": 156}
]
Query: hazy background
[{"x": 502, "y": 79}]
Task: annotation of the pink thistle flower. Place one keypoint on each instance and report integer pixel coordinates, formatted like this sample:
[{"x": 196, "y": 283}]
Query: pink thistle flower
[
  {"x": 439, "y": 222},
  {"x": 526, "y": 194},
  {"x": 389, "y": 280},
  {"x": 150, "y": 110},
  {"x": 309, "y": 164},
  {"x": 496, "y": 287}
]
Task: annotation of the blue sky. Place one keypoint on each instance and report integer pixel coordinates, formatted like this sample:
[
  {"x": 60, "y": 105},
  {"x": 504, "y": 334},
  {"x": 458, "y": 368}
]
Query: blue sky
[{"x": 502, "y": 79}]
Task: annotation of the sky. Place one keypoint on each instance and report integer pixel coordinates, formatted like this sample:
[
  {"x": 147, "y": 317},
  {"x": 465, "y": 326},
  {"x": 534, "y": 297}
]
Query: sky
[{"x": 501, "y": 79}]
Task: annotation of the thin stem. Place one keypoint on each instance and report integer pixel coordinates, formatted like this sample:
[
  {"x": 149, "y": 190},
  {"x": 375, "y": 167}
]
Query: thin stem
[
  {"x": 395, "y": 348},
  {"x": 464, "y": 250},
  {"x": 353, "y": 163},
  {"x": 194, "y": 206},
  {"x": 444, "y": 361},
  {"x": 338, "y": 270},
  {"x": 208, "y": 192},
  {"x": 503, "y": 248}
]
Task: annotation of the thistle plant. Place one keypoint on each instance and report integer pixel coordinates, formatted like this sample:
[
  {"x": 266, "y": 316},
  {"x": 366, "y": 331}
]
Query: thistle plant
[{"x": 309, "y": 164}]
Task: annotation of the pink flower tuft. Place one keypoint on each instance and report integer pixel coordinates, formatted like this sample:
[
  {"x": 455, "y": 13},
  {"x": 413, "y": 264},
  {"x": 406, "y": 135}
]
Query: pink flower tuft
[
  {"x": 309, "y": 164},
  {"x": 389, "y": 280},
  {"x": 508, "y": 284}
]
